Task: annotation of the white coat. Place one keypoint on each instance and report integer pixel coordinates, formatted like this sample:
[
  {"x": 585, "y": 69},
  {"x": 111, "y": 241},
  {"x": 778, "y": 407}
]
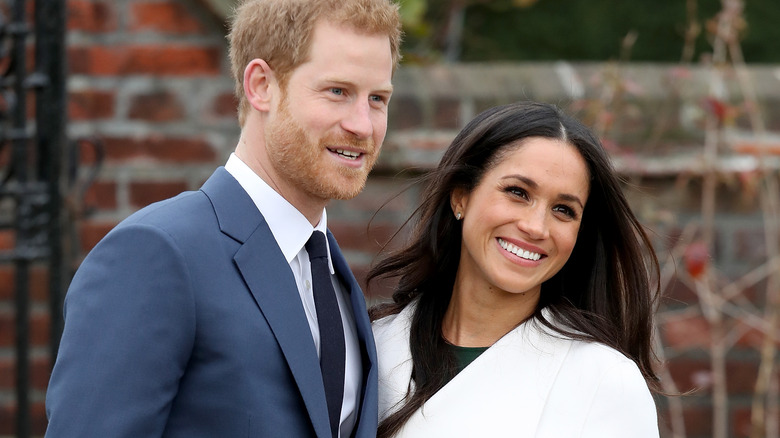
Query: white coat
[{"x": 531, "y": 383}]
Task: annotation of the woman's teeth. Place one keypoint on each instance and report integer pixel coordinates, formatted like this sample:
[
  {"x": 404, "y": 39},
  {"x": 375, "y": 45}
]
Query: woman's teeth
[{"x": 528, "y": 255}]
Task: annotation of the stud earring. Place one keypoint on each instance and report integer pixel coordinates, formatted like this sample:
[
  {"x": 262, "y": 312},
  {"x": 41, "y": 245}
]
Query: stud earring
[{"x": 458, "y": 215}]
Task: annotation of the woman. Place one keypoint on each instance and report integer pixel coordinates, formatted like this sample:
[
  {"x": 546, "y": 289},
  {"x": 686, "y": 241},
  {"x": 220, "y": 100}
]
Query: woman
[{"x": 523, "y": 305}]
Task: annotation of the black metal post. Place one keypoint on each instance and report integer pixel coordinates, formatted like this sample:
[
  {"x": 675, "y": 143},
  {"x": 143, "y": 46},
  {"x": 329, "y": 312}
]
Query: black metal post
[
  {"x": 51, "y": 120},
  {"x": 19, "y": 140},
  {"x": 34, "y": 176}
]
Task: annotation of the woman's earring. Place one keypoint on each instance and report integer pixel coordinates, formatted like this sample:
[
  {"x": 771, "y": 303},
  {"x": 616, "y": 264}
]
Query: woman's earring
[{"x": 458, "y": 215}]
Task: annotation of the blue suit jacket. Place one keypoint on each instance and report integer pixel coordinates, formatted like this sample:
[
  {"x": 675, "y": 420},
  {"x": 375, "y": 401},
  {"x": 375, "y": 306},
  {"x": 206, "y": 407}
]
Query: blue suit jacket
[{"x": 185, "y": 321}]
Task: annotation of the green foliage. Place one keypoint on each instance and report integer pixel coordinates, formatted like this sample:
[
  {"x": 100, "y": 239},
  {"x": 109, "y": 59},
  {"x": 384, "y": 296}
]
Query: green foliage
[
  {"x": 538, "y": 30},
  {"x": 413, "y": 14}
]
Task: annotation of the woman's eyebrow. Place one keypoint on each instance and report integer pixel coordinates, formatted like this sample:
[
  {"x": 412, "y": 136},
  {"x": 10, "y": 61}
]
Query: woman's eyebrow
[{"x": 532, "y": 184}]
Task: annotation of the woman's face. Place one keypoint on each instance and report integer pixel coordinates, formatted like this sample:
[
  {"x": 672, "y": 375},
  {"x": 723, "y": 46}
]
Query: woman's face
[{"x": 520, "y": 223}]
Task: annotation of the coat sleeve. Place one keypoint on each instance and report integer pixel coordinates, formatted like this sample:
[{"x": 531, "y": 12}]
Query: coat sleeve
[
  {"x": 622, "y": 405},
  {"x": 129, "y": 330}
]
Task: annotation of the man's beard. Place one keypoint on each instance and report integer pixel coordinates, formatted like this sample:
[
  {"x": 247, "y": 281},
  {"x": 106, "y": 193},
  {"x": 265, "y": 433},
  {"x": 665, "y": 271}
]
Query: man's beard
[{"x": 301, "y": 161}]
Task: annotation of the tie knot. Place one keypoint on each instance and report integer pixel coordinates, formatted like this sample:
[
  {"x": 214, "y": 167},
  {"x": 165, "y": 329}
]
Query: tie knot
[{"x": 316, "y": 246}]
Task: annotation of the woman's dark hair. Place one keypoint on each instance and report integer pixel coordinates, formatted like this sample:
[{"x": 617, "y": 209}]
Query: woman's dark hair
[{"x": 603, "y": 293}]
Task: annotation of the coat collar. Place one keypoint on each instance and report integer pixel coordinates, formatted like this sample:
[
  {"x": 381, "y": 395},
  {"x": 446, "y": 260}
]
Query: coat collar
[{"x": 506, "y": 387}]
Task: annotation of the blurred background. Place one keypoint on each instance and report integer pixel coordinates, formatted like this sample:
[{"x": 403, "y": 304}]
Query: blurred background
[{"x": 109, "y": 105}]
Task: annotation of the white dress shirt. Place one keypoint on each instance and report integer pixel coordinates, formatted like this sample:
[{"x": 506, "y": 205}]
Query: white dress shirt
[{"x": 292, "y": 230}]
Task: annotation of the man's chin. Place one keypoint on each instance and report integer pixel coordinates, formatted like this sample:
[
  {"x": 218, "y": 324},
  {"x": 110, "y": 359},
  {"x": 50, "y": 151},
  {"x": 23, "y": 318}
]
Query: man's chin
[
  {"x": 348, "y": 189},
  {"x": 344, "y": 195}
]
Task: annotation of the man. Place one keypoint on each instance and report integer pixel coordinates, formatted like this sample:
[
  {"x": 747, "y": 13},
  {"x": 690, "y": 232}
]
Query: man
[{"x": 199, "y": 316}]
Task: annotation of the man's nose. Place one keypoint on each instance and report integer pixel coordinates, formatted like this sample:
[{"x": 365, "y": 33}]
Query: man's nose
[{"x": 358, "y": 120}]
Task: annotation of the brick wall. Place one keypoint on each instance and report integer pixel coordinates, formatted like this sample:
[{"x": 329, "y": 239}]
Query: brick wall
[{"x": 148, "y": 79}]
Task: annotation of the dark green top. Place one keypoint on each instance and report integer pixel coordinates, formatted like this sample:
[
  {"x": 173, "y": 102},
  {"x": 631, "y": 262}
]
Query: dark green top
[{"x": 466, "y": 355}]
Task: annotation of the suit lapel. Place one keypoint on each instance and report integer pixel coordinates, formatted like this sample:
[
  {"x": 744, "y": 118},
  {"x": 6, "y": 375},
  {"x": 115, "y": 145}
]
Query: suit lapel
[{"x": 273, "y": 287}]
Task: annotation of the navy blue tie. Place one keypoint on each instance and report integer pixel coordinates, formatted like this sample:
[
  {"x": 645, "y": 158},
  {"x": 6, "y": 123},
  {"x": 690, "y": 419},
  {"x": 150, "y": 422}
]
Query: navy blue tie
[{"x": 332, "y": 349}]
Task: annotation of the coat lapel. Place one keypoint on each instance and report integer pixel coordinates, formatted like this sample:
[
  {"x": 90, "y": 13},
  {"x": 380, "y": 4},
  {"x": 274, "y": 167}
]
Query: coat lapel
[
  {"x": 504, "y": 389},
  {"x": 273, "y": 287}
]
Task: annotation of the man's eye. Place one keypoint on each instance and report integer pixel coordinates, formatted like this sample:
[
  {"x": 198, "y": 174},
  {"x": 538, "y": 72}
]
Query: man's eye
[{"x": 337, "y": 91}]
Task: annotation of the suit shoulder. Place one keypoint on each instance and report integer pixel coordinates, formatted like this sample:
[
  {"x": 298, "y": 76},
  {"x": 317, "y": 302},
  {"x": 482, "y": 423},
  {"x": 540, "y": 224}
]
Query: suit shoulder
[
  {"x": 184, "y": 203},
  {"x": 180, "y": 218}
]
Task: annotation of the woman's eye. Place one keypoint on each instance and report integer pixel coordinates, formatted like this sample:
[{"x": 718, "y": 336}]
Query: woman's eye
[
  {"x": 517, "y": 191},
  {"x": 568, "y": 211}
]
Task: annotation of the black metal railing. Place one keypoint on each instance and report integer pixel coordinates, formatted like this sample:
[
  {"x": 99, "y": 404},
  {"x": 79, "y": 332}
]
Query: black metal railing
[{"x": 31, "y": 167}]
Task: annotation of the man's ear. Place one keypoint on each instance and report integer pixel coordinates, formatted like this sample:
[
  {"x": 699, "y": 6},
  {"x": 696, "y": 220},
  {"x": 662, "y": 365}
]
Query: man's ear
[{"x": 259, "y": 84}]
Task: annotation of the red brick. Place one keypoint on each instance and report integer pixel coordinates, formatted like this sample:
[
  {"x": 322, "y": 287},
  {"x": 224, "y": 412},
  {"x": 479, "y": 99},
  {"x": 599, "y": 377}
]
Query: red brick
[
  {"x": 90, "y": 233},
  {"x": 678, "y": 292},
  {"x": 88, "y": 150},
  {"x": 758, "y": 148},
  {"x": 405, "y": 113},
  {"x": 750, "y": 245},
  {"x": 39, "y": 373},
  {"x": 30, "y": 102},
  {"x": 691, "y": 374},
  {"x": 97, "y": 60},
  {"x": 172, "y": 18},
  {"x": 361, "y": 238},
  {"x": 168, "y": 60},
  {"x": 381, "y": 289},
  {"x": 181, "y": 60},
  {"x": 686, "y": 333},
  {"x": 38, "y": 420},
  {"x": 742, "y": 422},
  {"x": 8, "y": 419},
  {"x": 156, "y": 107},
  {"x": 695, "y": 374},
  {"x": 447, "y": 113},
  {"x": 5, "y": 157},
  {"x": 101, "y": 195},
  {"x": 145, "y": 193},
  {"x": 6, "y": 282},
  {"x": 741, "y": 377},
  {"x": 383, "y": 196},
  {"x": 7, "y": 330},
  {"x": 91, "y": 105},
  {"x": 752, "y": 338},
  {"x": 164, "y": 149},
  {"x": 38, "y": 283},
  {"x": 7, "y": 240},
  {"x": 38, "y": 330},
  {"x": 90, "y": 16},
  {"x": 225, "y": 105},
  {"x": 7, "y": 374},
  {"x": 698, "y": 421}
]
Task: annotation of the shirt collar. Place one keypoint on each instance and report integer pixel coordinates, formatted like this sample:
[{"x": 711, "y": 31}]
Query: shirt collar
[{"x": 289, "y": 226}]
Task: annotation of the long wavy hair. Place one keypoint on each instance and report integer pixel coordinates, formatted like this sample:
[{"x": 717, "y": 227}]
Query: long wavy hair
[{"x": 604, "y": 293}]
